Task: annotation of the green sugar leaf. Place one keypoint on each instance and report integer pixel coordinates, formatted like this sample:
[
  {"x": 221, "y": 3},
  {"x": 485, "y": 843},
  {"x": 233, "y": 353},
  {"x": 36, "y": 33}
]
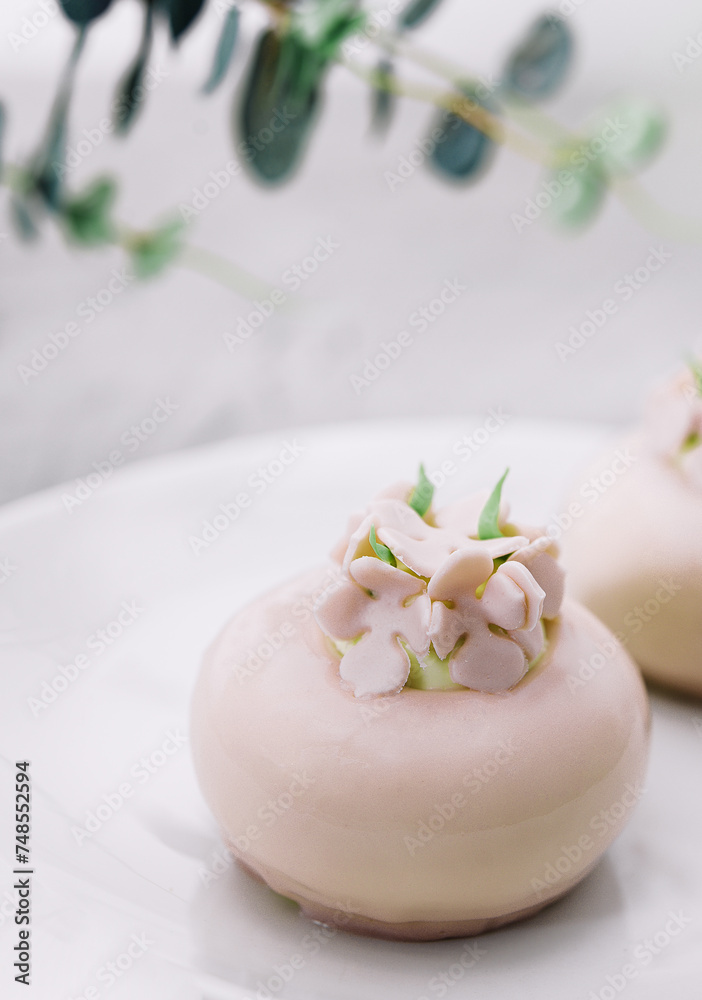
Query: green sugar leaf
[
  {"x": 382, "y": 551},
  {"x": 487, "y": 523},
  {"x": 421, "y": 495}
]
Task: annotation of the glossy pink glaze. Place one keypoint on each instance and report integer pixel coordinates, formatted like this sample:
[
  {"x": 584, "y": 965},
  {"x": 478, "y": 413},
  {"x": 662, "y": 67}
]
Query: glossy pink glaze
[
  {"x": 634, "y": 557},
  {"x": 337, "y": 801}
]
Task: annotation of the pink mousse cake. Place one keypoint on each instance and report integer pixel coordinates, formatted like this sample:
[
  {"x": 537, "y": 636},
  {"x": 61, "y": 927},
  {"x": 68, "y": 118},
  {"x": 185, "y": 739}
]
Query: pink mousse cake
[
  {"x": 412, "y": 742},
  {"x": 634, "y": 556}
]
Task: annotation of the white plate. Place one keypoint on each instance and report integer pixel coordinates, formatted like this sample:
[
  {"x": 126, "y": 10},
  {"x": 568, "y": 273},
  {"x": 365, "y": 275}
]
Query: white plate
[{"x": 143, "y": 868}]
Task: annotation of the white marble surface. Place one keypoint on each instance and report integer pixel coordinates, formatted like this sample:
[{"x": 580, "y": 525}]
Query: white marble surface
[{"x": 493, "y": 347}]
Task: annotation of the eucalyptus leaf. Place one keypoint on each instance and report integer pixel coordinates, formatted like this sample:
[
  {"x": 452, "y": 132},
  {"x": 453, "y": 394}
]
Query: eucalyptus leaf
[
  {"x": 181, "y": 14},
  {"x": 382, "y": 97},
  {"x": 538, "y": 65},
  {"x": 461, "y": 150},
  {"x": 417, "y": 11},
  {"x": 22, "y": 220},
  {"x": 322, "y": 25},
  {"x": 577, "y": 202},
  {"x": 130, "y": 91},
  {"x": 86, "y": 217},
  {"x": 82, "y": 12},
  {"x": 626, "y": 135},
  {"x": 382, "y": 551},
  {"x": 278, "y": 107},
  {"x": 45, "y": 168},
  {"x": 224, "y": 51},
  {"x": 488, "y": 526},
  {"x": 152, "y": 252},
  {"x": 422, "y": 494}
]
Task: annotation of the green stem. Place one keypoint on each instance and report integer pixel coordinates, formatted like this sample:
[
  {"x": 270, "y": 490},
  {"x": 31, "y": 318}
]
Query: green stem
[{"x": 222, "y": 271}]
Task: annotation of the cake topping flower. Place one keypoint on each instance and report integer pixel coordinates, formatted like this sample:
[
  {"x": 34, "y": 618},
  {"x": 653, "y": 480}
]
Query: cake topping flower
[
  {"x": 512, "y": 602},
  {"x": 459, "y": 591},
  {"x": 383, "y": 606}
]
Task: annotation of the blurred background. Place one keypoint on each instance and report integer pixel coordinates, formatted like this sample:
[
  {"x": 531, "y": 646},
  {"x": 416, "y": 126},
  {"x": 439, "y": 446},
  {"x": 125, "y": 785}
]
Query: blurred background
[{"x": 173, "y": 344}]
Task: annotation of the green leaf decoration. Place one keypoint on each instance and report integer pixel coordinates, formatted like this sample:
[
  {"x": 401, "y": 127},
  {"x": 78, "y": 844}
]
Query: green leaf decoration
[
  {"x": 86, "y": 217},
  {"x": 626, "y": 135},
  {"x": 382, "y": 551},
  {"x": 130, "y": 91},
  {"x": 224, "y": 51},
  {"x": 488, "y": 526},
  {"x": 578, "y": 202},
  {"x": 382, "y": 98},
  {"x": 152, "y": 252},
  {"x": 278, "y": 108},
  {"x": 181, "y": 14},
  {"x": 22, "y": 220},
  {"x": 421, "y": 496},
  {"x": 82, "y": 12},
  {"x": 691, "y": 442},
  {"x": 417, "y": 11},
  {"x": 538, "y": 65}
]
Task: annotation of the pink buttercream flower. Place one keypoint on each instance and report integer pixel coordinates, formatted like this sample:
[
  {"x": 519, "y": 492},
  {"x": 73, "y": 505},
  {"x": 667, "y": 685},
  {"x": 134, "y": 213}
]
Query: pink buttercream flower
[
  {"x": 383, "y": 605},
  {"x": 540, "y": 558},
  {"x": 512, "y": 602},
  {"x": 417, "y": 542}
]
